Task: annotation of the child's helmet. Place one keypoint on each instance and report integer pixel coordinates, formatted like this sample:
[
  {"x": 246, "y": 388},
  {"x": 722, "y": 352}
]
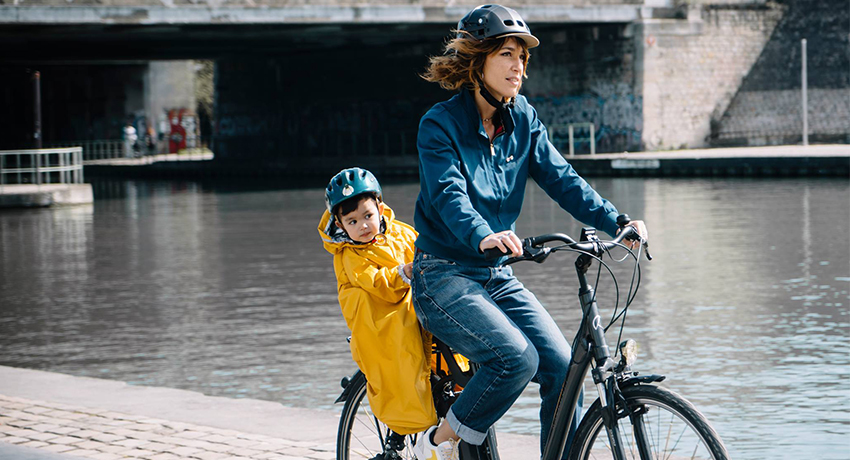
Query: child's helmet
[
  {"x": 495, "y": 21},
  {"x": 349, "y": 183}
]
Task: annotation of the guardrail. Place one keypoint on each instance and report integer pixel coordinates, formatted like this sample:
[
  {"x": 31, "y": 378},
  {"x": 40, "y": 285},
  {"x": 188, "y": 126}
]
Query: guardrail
[
  {"x": 99, "y": 149},
  {"x": 41, "y": 166},
  {"x": 556, "y": 135}
]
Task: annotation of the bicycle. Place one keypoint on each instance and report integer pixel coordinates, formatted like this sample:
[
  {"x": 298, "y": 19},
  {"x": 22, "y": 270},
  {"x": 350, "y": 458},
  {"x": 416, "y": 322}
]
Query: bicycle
[{"x": 633, "y": 418}]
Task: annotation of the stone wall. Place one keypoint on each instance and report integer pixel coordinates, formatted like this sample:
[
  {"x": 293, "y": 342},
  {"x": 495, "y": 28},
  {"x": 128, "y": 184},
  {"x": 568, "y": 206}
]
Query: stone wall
[
  {"x": 692, "y": 69},
  {"x": 768, "y": 106},
  {"x": 297, "y": 3},
  {"x": 586, "y": 74}
]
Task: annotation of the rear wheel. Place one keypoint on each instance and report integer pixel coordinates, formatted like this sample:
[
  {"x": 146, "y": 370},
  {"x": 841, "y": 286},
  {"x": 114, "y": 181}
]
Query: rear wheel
[
  {"x": 362, "y": 436},
  {"x": 654, "y": 423}
]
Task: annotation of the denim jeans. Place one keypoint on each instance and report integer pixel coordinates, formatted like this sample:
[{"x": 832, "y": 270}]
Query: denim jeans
[{"x": 487, "y": 315}]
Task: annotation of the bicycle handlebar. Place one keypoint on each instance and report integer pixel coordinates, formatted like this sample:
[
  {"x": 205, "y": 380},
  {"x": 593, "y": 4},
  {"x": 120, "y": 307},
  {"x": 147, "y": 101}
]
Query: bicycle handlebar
[{"x": 533, "y": 248}]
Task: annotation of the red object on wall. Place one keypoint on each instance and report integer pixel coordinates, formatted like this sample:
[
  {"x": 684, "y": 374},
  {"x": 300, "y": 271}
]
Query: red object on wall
[{"x": 177, "y": 137}]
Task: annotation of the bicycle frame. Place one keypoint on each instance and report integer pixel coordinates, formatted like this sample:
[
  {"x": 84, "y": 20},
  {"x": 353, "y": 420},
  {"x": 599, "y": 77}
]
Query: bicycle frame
[{"x": 588, "y": 343}]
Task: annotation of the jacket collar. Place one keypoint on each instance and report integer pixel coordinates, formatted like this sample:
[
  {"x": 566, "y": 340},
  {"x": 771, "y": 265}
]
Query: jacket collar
[{"x": 467, "y": 97}]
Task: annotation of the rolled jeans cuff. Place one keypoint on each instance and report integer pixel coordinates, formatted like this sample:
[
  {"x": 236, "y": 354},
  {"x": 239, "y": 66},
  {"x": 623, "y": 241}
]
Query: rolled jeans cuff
[{"x": 466, "y": 433}]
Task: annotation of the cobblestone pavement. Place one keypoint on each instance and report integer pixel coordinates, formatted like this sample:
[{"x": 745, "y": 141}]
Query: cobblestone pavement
[{"x": 105, "y": 435}]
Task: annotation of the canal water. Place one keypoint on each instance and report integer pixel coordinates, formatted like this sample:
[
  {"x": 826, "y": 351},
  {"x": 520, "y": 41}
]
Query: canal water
[{"x": 228, "y": 291}]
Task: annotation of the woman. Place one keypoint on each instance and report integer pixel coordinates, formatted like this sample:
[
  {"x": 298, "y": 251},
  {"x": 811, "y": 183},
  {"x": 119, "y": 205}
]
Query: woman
[{"x": 476, "y": 151}]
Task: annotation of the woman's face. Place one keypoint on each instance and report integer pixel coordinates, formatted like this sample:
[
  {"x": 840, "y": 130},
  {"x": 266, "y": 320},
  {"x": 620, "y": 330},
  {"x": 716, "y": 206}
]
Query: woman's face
[{"x": 503, "y": 70}]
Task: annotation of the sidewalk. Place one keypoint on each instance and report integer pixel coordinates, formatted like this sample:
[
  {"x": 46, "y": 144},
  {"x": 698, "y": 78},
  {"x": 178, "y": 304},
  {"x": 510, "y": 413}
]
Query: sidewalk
[{"x": 63, "y": 417}]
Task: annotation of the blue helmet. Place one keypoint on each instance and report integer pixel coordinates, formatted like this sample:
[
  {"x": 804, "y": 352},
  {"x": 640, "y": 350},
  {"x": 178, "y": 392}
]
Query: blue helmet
[{"x": 349, "y": 183}]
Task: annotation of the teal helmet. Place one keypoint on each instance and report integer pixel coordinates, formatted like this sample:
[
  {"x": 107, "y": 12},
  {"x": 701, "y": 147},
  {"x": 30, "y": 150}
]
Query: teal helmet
[{"x": 349, "y": 183}]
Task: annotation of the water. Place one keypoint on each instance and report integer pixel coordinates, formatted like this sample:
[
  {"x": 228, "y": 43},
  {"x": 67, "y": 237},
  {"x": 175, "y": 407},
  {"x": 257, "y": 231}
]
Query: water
[{"x": 229, "y": 292}]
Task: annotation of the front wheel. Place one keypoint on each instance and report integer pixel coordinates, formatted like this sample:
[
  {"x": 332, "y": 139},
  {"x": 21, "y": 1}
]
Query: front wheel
[{"x": 654, "y": 423}]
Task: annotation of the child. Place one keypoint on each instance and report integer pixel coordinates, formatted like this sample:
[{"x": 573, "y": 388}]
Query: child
[{"x": 372, "y": 260}]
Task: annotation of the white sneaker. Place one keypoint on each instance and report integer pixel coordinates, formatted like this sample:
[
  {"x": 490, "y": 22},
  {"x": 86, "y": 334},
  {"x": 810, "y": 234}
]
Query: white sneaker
[{"x": 426, "y": 450}]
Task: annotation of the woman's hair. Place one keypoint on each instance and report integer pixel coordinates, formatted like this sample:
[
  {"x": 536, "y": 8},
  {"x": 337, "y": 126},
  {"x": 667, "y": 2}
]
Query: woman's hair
[{"x": 462, "y": 61}]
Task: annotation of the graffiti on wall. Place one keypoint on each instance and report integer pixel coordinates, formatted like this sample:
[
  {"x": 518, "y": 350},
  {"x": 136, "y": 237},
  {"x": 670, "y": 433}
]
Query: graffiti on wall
[{"x": 615, "y": 111}]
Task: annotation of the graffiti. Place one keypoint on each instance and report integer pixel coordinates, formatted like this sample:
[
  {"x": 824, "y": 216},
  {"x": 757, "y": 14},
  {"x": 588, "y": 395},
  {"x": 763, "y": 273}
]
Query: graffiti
[
  {"x": 241, "y": 125},
  {"x": 618, "y": 117}
]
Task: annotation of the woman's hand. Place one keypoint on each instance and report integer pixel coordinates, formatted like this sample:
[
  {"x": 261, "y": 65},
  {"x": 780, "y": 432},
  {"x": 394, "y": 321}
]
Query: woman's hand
[
  {"x": 505, "y": 241},
  {"x": 642, "y": 231}
]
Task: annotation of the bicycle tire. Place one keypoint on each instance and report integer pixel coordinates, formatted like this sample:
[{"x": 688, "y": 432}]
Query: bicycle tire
[
  {"x": 674, "y": 427},
  {"x": 361, "y": 435}
]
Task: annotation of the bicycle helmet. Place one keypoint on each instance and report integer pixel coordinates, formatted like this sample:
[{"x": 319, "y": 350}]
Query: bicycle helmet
[
  {"x": 495, "y": 21},
  {"x": 349, "y": 183}
]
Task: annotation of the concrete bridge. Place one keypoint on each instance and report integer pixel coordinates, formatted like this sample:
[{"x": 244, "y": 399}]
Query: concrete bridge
[{"x": 338, "y": 79}]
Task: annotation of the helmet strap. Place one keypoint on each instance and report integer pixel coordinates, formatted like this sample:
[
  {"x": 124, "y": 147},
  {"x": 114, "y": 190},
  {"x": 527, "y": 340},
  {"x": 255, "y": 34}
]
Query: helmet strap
[
  {"x": 499, "y": 105},
  {"x": 503, "y": 108}
]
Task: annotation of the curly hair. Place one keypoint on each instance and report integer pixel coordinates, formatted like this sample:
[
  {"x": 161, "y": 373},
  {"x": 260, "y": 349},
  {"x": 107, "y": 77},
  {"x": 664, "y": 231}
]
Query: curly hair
[{"x": 462, "y": 61}]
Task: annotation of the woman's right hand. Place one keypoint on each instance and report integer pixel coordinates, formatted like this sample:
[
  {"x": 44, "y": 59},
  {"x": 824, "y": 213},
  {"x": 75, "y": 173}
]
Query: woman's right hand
[{"x": 505, "y": 241}]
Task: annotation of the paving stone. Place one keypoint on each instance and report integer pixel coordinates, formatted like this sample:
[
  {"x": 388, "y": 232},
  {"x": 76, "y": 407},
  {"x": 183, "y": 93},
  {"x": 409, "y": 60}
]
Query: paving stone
[
  {"x": 59, "y": 429},
  {"x": 283, "y": 457},
  {"x": 39, "y": 436},
  {"x": 159, "y": 446},
  {"x": 191, "y": 434},
  {"x": 210, "y": 455},
  {"x": 241, "y": 442},
  {"x": 37, "y": 410},
  {"x": 34, "y": 444},
  {"x": 243, "y": 452},
  {"x": 130, "y": 443},
  {"x": 107, "y": 438},
  {"x": 44, "y": 426},
  {"x": 215, "y": 437},
  {"x": 81, "y": 453},
  {"x": 65, "y": 440},
  {"x": 322, "y": 455},
  {"x": 327, "y": 447},
  {"x": 146, "y": 427},
  {"x": 25, "y": 423},
  {"x": 184, "y": 451},
  {"x": 85, "y": 434},
  {"x": 15, "y": 440},
  {"x": 138, "y": 453},
  {"x": 113, "y": 449},
  {"x": 255, "y": 437},
  {"x": 58, "y": 448},
  {"x": 91, "y": 445},
  {"x": 296, "y": 451},
  {"x": 105, "y": 456},
  {"x": 216, "y": 447},
  {"x": 165, "y": 457}
]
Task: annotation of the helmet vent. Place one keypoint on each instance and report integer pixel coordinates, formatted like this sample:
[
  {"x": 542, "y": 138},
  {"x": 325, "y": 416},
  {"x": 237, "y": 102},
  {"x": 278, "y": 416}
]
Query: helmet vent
[
  {"x": 486, "y": 6},
  {"x": 519, "y": 23},
  {"x": 339, "y": 181},
  {"x": 508, "y": 22}
]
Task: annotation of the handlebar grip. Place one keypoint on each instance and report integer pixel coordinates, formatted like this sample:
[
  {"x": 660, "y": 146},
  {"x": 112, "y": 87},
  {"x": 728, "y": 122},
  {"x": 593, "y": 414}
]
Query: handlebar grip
[{"x": 493, "y": 254}]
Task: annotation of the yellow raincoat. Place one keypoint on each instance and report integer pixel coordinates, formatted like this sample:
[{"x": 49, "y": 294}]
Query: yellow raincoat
[{"x": 387, "y": 342}]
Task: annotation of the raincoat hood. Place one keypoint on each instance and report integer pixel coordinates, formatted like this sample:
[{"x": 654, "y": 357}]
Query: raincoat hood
[{"x": 335, "y": 239}]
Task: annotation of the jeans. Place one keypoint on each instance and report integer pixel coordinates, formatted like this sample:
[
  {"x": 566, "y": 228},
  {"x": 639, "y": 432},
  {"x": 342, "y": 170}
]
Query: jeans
[{"x": 487, "y": 315}]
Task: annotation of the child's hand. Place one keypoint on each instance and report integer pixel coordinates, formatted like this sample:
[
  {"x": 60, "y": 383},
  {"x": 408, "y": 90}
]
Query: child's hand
[{"x": 408, "y": 270}]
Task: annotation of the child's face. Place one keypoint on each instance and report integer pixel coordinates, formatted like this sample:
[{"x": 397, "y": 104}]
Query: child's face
[{"x": 364, "y": 223}]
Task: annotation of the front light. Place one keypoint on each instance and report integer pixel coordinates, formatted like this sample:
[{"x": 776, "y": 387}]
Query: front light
[{"x": 628, "y": 352}]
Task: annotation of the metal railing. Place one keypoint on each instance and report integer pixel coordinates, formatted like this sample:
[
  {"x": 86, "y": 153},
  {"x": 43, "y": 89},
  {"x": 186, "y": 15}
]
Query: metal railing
[
  {"x": 557, "y": 134},
  {"x": 98, "y": 149},
  {"x": 41, "y": 166}
]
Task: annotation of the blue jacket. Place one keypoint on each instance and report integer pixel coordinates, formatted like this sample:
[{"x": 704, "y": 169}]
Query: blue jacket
[{"x": 470, "y": 188}]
